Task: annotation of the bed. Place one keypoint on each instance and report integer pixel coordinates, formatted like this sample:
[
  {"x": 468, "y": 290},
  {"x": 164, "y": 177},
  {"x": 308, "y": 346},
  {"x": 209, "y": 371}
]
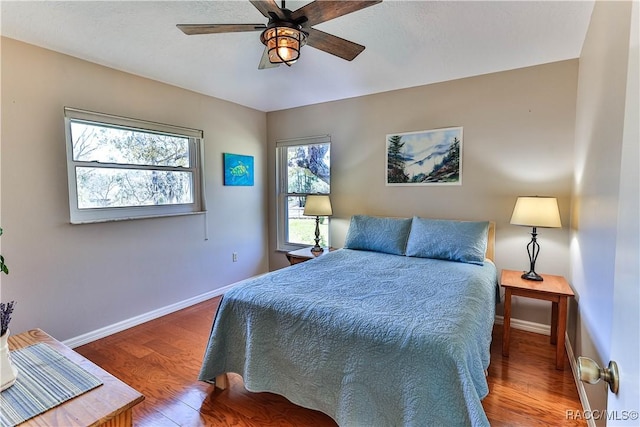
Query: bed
[{"x": 394, "y": 329}]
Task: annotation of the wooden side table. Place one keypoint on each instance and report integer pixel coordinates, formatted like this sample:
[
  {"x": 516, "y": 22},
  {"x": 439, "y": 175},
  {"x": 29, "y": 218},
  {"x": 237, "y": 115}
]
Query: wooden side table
[
  {"x": 552, "y": 288},
  {"x": 108, "y": 405},
  {"x": 305, "y": 254}
]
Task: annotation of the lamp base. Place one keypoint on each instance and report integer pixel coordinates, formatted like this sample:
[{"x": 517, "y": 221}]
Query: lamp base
[
  {"x": 317, "y": 249},
  {"x": 532, "y": 275},
  {"x": 533, "y": 249}
]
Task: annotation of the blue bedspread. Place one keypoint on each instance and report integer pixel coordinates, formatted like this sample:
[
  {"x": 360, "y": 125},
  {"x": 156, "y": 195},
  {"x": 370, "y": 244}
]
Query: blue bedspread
[{"x": 368, "y": 338}]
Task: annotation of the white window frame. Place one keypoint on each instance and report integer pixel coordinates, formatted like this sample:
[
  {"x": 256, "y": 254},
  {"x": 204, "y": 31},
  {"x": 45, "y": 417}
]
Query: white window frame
[
  {"x": 281, "y": 189},
  {"x": 104, "y": 214}
]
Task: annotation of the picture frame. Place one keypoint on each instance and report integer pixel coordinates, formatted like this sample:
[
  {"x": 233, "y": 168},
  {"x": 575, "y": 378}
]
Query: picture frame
[
  {"x": 238, "y": 170},
  {"x": 428, "y": 157}
]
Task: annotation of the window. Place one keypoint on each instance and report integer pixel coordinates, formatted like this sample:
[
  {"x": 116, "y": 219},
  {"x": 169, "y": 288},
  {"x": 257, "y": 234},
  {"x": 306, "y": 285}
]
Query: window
[
  {"x": 303, "y": 167},
  {"x": 120, "y": 168}
]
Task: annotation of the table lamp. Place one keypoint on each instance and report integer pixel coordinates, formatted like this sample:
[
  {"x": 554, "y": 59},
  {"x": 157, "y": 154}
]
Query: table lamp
[
  {"x": 317, "y": 205},
  {"x": 535, "y": 212}
]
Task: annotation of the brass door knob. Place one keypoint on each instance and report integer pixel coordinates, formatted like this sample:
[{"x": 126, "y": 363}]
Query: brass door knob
[{"x": 590, "y": 372}]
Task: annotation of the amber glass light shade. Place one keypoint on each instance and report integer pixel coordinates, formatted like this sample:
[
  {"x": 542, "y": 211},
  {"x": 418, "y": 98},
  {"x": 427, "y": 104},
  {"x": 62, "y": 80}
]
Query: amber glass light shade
[{"x": 283, "y": 44}]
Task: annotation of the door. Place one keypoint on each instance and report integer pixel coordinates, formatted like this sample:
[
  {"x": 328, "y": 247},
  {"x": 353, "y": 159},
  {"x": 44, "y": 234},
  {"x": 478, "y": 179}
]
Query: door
[{"x": 622, "y": 409}]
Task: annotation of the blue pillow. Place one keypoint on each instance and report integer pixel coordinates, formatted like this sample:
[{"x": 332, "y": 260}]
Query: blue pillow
[
  {"x": 388, "y": 235},
  {"x": 462, "y": 241}
]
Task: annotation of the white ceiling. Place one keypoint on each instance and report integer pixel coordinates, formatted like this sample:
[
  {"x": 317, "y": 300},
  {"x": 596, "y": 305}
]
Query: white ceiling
[{"x": 408, "y": 43}]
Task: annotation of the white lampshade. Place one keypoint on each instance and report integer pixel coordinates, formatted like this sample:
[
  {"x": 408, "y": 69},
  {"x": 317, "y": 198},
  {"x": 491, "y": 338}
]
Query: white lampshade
[
  {"x": 536, "y": 212},
  {"x": 318, "y": 205}
]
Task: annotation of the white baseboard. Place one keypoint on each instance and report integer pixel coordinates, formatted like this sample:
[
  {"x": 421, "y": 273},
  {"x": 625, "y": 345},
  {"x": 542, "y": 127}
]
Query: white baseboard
[
  {"x": 525, "y": 325},
  {"x": 540, "y": 328},
  {"x": 582, "y": 393},
  {"x": 137, "y": 320}
]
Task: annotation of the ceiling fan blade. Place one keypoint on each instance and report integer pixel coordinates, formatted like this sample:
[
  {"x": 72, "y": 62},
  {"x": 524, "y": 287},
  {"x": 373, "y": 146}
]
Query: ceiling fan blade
[
  {"x": 264, "y": 61},
  {"x": 193, "y": 29},
  {"x": 333, "y": 44},
  {"x": 266, "y": 6},
  {"x": 323, "y": 10}
]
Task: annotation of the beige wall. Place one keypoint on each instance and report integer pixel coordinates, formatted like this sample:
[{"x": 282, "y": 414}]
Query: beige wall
[
  {"x": 518, "y": 140},
  {"x": 553, "y": 129},
  {"x": 518, "y": 133},
  {"x": 540, "y": 130},
  {"x": 602, "y": 90},
  {"x": 71, "y": 280}
]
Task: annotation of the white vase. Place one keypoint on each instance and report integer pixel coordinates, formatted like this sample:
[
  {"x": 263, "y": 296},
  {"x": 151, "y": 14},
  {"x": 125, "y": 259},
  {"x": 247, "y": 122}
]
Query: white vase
[{"x": 8, "y": 372}]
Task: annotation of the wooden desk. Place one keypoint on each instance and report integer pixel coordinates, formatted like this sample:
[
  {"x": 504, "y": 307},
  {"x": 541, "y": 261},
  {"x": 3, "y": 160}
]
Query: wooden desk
[
  {"x": 552, "y": 288},
  {"x": 108, "y": 405}
]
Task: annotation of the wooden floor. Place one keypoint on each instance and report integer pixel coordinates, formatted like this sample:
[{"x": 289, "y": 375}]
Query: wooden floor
[{"x": 161, "y": 359}]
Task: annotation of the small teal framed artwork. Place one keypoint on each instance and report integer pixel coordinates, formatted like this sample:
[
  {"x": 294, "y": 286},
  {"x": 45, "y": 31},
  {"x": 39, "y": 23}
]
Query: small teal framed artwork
[{"x": 238, "y": 170}]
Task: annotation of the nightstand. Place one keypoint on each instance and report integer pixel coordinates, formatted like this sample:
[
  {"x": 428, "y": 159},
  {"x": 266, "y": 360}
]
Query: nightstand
[
  {"x": 305, "y": 254},
  {"x": 552, "y": 288}
]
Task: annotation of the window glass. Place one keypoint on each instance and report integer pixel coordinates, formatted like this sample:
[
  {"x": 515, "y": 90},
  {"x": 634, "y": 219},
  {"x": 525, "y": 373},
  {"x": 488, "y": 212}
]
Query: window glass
[
  {"x": 302, "y": 229},
  {"x": 105, "y": 187},
  {"x": 122, "y": 168},
  {"x": 308, "y": 169},
  {"x": 100, "y": 143},
  {"x": 303, "y": 168}
]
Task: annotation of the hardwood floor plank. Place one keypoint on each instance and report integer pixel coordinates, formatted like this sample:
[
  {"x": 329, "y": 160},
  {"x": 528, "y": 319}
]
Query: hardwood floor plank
[
  {"x": 144, "y": 415},
  {"x": 162, "y": 358}
]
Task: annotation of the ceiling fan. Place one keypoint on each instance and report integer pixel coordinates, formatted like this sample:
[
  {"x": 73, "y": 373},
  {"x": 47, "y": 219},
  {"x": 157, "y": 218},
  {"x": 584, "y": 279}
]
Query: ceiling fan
[{"x": 287, "y": 31}]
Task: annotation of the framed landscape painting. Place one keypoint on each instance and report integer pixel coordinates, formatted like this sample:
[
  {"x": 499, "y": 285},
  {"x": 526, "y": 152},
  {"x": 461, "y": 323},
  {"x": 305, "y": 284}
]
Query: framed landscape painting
[
  {"x": 429, "y": 157},
  {"x": 238, "y": 170}
]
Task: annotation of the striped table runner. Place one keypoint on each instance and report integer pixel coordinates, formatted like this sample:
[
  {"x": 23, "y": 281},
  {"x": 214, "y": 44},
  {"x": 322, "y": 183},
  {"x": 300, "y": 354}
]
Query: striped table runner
[{"x": 46, "y": 379}]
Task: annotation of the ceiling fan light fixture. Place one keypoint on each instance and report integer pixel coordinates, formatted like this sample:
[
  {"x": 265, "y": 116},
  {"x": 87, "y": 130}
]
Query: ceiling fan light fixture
[
  {"x": 286, "y": 32},
  {"x": 283, "y": 41}
]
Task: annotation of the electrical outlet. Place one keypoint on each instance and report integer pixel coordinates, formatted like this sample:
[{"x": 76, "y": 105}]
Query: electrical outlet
[{"x": 234, "y": 257}]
